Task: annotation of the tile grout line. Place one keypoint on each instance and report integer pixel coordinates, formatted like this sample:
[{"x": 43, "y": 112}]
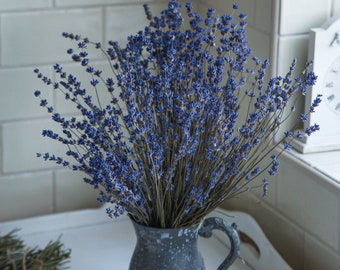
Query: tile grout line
[
  {"x": 54, "y": 195},
  {"x": 338, "y": 251}
]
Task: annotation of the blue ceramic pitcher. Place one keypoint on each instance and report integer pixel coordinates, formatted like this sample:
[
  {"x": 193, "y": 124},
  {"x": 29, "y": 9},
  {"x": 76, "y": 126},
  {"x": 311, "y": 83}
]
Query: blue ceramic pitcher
[{"x": 177, "y": 249}]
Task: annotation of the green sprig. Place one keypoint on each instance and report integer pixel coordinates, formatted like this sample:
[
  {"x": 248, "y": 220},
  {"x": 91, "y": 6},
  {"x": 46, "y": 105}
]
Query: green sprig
[{"x": 15, "y": 255}]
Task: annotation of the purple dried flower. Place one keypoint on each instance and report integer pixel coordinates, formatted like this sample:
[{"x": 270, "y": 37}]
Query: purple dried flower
[{"x": 170, "y": 139}]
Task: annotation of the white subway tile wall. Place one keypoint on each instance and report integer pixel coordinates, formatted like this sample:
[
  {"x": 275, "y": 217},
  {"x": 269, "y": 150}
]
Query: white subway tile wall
[
  {"x": 16, "y": 101},
  {"x": 285, "y": 235},
  {"x": 25, "y": 195},
  {"x": 301, "y": 215},
  {"x": 290, "y": 48},
  {"x": 67, "y": 3},
  {"x": 264, "y": 16},
  {"x": 66, "y": 199},
  {"x": 8, "y": 5},
  {"x": 30, "y": 37},
  {"x": 129, "y": 18},
  {"x": 336, "y": 7},
  {"x": 35, "y": 37},
  {"x": 21, "y": 140},
  {"x": 301, "y": 198},
  {"x": 296, "y": 20}
]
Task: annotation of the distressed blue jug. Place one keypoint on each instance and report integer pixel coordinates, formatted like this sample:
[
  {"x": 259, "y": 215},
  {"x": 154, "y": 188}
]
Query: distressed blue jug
[{"x": 176, "y": 249}]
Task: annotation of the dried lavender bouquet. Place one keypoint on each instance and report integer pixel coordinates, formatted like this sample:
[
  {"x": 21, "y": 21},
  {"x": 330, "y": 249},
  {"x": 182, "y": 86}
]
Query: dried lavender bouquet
[{"x": 190, "y": 119}]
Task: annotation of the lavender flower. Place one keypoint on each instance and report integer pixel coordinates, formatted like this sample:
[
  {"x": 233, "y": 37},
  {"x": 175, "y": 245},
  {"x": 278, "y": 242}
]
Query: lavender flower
[{"x": 171, "y": 144}]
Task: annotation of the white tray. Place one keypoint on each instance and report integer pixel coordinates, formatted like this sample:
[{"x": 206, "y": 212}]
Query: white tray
[{"x": 98, "y": 242}]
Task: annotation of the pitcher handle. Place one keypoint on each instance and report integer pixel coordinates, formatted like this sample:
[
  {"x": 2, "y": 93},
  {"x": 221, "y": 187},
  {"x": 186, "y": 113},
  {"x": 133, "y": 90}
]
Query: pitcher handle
[{"x": 217, "y": 223}]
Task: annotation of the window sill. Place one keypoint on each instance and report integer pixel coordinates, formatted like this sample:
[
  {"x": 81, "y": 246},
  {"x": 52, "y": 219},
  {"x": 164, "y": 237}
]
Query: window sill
[{"x": 325, "y": 165}]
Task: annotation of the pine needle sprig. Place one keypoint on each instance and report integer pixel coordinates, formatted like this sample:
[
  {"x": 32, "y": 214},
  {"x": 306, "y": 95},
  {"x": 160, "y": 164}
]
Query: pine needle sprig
[{"x": 15, "y": 255}]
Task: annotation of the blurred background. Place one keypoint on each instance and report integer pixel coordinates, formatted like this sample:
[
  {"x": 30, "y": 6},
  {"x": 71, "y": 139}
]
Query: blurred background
[{"x": 301, "y": 214}]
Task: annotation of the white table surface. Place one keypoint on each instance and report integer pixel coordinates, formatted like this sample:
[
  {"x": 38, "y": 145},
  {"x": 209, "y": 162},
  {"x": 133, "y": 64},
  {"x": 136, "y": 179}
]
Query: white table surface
[{"x": 98, "y": 242}]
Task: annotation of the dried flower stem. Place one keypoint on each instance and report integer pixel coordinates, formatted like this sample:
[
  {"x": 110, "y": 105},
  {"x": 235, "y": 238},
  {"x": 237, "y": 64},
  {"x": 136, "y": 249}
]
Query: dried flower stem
[{"x": 189, "y": 122}]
